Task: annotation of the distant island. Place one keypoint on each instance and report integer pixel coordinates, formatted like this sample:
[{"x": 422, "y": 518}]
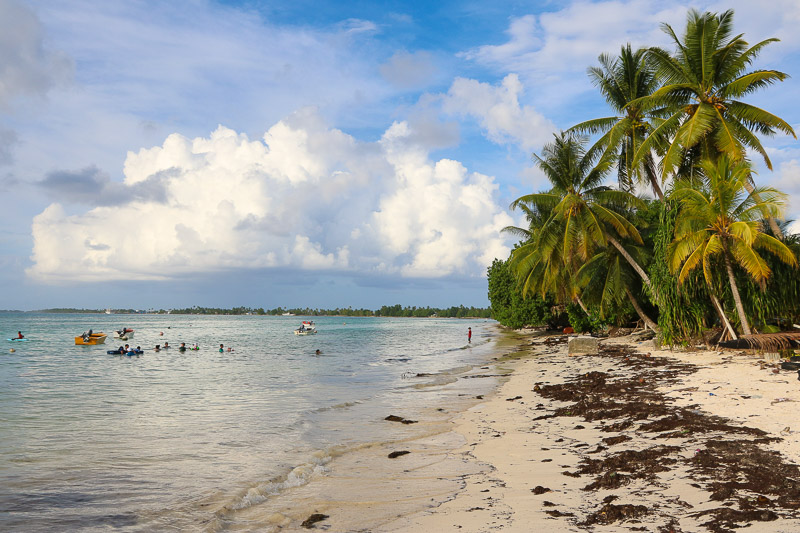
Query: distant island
[{"x": 386, "y": 310}]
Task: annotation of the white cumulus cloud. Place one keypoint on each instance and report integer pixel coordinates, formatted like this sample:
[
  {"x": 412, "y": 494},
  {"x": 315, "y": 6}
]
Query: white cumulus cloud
[
  {"x": 307, "y": 196},
  {"x": 498, "y": 110}
]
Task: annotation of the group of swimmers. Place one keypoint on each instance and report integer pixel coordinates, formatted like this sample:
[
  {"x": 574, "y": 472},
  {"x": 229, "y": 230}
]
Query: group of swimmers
[
  {"x": 183, "y": 347},
  {"x": 129, "y": 350}
]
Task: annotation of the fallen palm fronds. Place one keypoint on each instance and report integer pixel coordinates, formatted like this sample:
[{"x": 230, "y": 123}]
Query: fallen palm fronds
[{"x": 766, "y": 342}]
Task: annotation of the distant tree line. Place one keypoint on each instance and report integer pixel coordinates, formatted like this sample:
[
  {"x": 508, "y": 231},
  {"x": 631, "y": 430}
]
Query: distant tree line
[
  {"x": 386, "y": 310},
  {"x": 72, "y": 310}
]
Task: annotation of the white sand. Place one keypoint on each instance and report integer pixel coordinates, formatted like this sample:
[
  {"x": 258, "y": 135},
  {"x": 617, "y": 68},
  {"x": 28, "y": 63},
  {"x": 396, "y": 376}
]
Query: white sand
[
  {"x": 519, "y": 453},
  {"x": 479, "y": 475}
]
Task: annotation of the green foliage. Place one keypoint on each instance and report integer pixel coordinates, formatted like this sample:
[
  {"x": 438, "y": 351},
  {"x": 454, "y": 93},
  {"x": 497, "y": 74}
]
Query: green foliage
[
  {"x": 702, "y": 83},
  {"x": 677, "y": 117},
  {"x": 583, "y": 323},
  {"x": 509, "y": 306},
  {"x": 682, "y": 310},
  {"x": 779, "y": 297}
]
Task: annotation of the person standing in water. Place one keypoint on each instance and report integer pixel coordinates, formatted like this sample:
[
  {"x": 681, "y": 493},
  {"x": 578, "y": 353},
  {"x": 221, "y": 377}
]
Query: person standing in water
[{"x": 469, "y": 335}]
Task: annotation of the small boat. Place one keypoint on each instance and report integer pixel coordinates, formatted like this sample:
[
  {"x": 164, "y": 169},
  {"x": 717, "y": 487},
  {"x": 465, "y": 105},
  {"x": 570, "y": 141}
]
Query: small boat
[
  {"x": 124, "y": 334},
  {"x": 306, "y": 328},
  {"x": 91, "y": 340}
]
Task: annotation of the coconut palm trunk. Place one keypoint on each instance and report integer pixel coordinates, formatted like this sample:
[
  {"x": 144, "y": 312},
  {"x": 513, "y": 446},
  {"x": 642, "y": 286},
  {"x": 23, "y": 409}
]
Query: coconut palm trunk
[
  {"x": 721, "y": 313},
  {"x": 639, "y": 270},
  {"x": 580, "y": 302},
  {"x": 736, "y": 297},
  {"x": 639, "y": 311},
  {"x": 652, "y": 176}
]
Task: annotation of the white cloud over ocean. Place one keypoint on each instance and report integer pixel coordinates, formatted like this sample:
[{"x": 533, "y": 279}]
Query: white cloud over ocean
[{"x": 308, "y": 196}]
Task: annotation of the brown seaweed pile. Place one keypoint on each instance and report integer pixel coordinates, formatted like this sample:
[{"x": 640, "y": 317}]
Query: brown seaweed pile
[{"x": 751, "y": 483}]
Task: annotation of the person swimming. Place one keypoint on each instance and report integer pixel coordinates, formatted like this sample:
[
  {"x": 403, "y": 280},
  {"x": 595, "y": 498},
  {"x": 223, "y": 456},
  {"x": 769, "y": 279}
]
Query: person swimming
[
  {"x": 221, "y": 349},
  {"x": 318, "y": 352},
  {"x": 182, "y": 347}
]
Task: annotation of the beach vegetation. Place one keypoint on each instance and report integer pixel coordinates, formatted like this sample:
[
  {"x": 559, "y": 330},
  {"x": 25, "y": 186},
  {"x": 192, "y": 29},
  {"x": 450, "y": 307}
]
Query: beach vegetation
[
  {"x": 625, "y": 82},
  {"x": 709, "y": 256},
  {"x": 512, "y": 308},
  {"x": 702, "y": 84},
  {"x": 719, "y": 223}
]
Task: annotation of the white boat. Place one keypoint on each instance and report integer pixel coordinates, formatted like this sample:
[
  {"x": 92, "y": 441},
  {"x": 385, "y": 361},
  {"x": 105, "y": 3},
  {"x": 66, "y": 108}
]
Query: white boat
[
  {"x": 124, "y": 334},
  {"x": 306, "y": 328}
]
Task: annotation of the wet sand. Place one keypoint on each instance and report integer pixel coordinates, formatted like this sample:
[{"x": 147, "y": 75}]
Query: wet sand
[{"x": 632, "y": 439}]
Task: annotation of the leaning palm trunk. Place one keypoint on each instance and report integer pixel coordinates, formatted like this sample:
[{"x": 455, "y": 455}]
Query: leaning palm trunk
[
  {"x": 639, "y": 311},
  {"x": 736, "y": 297},
  {"x": 639, "y": 270},
  {"x": 580, "y": 302},
  {"x": 722, "y": 316},
  {"x": 652, "y": 176}
]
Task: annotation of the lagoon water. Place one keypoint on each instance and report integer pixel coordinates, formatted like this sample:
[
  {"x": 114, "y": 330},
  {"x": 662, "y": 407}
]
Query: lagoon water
[{"x": 192, "y": 441}]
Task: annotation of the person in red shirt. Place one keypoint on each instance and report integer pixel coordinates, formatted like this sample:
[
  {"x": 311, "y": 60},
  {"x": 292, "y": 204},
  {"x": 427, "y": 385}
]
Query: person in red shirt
[{"x": 469, "y": 335}]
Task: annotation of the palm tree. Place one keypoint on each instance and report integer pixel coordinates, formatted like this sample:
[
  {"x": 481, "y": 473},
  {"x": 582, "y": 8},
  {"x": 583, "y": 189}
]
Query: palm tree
[
  {"x": 606, "y": 281},
  {"x": 625, "y": 81},
  {"x": 580, "y": 214},
  {"x": 540, "y": 265},
  {"x": 703, "y": 83},
  {"x": 718, "y": 218}
]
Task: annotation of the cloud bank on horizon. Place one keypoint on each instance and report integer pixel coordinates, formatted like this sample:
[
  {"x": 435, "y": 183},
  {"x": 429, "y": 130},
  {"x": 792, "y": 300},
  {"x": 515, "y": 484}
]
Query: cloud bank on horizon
[{"x": 139, "y": 144}]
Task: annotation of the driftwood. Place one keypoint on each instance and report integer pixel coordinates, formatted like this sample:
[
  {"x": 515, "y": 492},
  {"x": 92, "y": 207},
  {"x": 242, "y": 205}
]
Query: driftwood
[{"x": 765, "y": 342}]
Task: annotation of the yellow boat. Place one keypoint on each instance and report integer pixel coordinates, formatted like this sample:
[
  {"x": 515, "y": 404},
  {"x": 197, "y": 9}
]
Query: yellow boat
[{"x": 93, "y": 339}]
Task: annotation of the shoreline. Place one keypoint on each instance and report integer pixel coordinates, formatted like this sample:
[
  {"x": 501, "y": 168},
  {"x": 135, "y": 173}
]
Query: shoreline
[
  {"x": 631, "y": 439},
  {"x": 362, "y": 487}
]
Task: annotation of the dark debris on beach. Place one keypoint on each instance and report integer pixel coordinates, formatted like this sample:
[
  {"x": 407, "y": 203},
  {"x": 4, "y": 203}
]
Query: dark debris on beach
[{"x": 728, "y": 460}]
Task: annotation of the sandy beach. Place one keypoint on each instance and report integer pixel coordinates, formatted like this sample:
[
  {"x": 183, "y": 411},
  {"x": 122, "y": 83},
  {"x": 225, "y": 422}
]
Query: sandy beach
[{"x": 631, "y": 439}]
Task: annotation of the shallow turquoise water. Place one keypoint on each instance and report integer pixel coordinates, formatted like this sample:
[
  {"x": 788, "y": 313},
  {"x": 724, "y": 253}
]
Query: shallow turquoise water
[{"x": 93, "y": 441}]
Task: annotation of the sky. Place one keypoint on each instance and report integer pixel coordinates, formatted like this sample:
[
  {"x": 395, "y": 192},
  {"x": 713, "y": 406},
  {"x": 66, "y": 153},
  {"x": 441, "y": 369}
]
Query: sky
[{"x": 304, "y": 154}]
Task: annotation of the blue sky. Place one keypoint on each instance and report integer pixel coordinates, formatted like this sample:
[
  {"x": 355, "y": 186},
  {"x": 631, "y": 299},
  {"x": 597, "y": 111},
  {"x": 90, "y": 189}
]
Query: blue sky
[{"x": 322, "y": 154}]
